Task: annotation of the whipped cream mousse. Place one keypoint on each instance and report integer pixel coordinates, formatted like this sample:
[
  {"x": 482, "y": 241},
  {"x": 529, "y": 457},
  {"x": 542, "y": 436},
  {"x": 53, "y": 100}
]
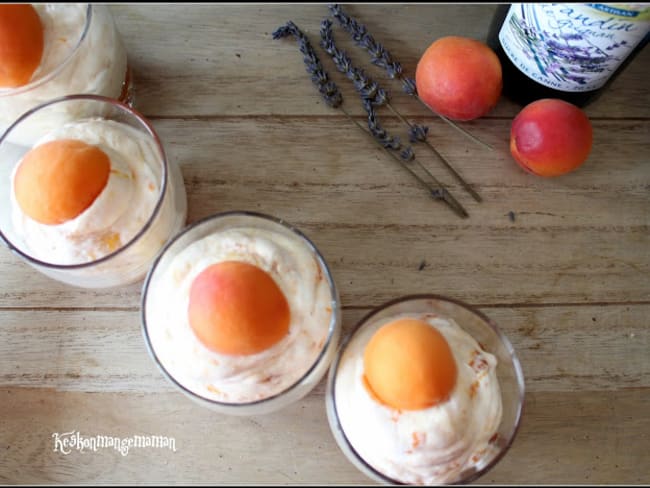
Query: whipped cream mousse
[
  {"x": 85, "y": 190},
  {"x": 55, "y": 50},
  {"x": 418, "y": 398},
  {"x": 241, "y": 315}
]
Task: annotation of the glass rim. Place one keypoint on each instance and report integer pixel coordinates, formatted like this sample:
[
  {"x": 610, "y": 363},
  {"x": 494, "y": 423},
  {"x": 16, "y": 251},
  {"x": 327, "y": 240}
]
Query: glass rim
[
  {"x": 18, "y": 90},
  {"x": 331, "y": 383},
  {"x": 335, "y": 305},
  {"x": 161, "y": 196}
]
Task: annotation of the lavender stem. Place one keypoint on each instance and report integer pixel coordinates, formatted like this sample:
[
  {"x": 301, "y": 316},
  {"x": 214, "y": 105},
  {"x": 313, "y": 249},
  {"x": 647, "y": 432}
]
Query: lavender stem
[
  {"x": 408, "y": 156},
  {"x": 439, "y": 193},
  {"x": 373, "y": 95},
  {"x": 382, "y": 58},
  {"x": 334, "y": 99},
  {"x": 454, "y": 125},
  {"x": 451, "y": 169}
]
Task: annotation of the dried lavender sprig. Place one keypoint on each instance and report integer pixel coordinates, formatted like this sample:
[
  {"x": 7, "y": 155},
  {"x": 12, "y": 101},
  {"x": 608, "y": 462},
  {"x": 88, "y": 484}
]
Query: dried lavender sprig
[
  {"x": 384, "y": 138},
  {"x": 332, "y": 93},
  {"x": 407, "y": 155},
  {"x": 327, "y": 88},
  {"x": 379, "y": 133},
  {"x": 371, "y": 93},
  {"x": 378, "y": 53},
  {"x": 417, "y": 132},
  {"x": 435, "y": 188},
  {"x": 382, "y": 58},
  {"x": 368, "y": 89}
]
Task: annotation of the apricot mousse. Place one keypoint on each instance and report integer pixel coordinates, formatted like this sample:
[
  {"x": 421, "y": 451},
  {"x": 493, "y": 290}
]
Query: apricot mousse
[
  {"x": 83, "y": 191},
  {"x": 417, "y": 398},
  {"x": 241, "y": 312}
]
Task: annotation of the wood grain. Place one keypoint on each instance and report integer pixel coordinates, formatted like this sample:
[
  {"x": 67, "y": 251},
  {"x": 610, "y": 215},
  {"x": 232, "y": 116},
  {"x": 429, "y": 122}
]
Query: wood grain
[
  {"x": 568, "y": 437},
  {"x": 560, "y": 348},
  {"x": 199, "y": 61}
]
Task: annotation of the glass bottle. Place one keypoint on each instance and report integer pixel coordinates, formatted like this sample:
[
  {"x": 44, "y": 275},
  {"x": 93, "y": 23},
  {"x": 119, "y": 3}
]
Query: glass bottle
[{"x": 570, "y": 51}]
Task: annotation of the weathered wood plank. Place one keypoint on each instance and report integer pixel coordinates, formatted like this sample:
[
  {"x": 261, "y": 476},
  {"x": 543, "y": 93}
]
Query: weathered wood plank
[
  {"x": 560, "y": 348},
  {"x": 565, "y": 437},
  {"x": 221, "y": 60},
  {"x": 579, "y": 438},
  {"x": 579, "y": 238},
  {"x": 370, "y": 265}
]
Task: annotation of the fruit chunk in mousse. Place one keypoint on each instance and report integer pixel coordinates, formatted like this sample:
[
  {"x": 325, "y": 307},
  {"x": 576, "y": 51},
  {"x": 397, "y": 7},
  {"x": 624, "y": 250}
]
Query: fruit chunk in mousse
[
  {"x": 21, "y": 44},
  {"x": 58, "y": 180},
  {"x": 236, "y": 308}
]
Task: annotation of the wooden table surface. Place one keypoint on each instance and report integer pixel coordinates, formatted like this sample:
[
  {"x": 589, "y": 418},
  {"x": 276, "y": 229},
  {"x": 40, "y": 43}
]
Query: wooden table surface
[{"x": 568, "y": 280}]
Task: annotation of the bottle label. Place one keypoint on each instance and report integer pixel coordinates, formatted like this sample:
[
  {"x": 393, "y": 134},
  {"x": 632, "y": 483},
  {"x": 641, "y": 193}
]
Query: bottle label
[{"x": 571, "y": 46}]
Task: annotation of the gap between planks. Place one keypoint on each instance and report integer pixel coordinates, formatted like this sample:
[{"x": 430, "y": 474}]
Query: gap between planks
[
  {"x": 338, "y": 115},
  {"x": 349, "y": 307}
]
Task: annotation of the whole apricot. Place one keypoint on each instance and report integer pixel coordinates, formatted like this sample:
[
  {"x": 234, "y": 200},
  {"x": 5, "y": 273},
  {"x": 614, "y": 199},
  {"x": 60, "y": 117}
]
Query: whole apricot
[
  {"x": 459, "y": 78},
  {"x": 550, "y": 137}
]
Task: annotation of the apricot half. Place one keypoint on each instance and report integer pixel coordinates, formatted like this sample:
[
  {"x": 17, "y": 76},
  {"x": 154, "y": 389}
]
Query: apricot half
[
  {"x": 58, "y": 180},
  {"x": 408, "y": 365},
  {"x": 237, "y": 308},
  {"x": 21, "y": 44},
  {"x": 459, "y": 78},
  {"x": 550, "y": 137}
]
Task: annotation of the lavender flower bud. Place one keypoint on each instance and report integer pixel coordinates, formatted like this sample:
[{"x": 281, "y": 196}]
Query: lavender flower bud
[
  {"x": 378, "y": 132},
  {"x": 408, "y": 85},
  {"x": 365, "y": 86},
  {"x": 407, "y": 154},
  {"x": 418, "y": 133},
  {"x": 394, "y": 70},
  {"x": 378, "y": 54},
  {"x": 326, "y": 88}
]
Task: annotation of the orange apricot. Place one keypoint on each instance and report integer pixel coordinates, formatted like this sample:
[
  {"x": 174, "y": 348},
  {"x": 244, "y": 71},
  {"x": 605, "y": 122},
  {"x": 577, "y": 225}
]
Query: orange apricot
[
  {"x": 459, "y": 78},
  {"x": 550, "y": 137},
  {"x": 408, "y": 365},
  {"x": 21, "y": 44},
  {"x": 58, "y": 180},
  {"x": 237, "y": 308}
]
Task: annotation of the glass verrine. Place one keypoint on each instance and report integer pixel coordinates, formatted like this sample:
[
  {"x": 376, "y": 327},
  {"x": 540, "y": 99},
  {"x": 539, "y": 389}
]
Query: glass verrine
[
  {"x": 432, "y": 445},
  {"x": 141, "y": 206},
  {"x": 242, "y": 384},
  {"x": 83, "y": 54}
]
